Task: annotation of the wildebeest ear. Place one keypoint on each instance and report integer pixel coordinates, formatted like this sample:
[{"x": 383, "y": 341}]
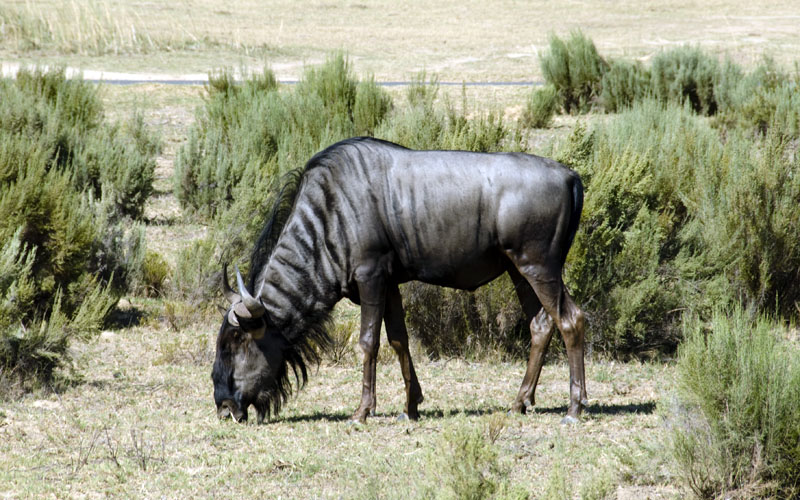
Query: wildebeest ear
[{"x": 222, "y": 310}]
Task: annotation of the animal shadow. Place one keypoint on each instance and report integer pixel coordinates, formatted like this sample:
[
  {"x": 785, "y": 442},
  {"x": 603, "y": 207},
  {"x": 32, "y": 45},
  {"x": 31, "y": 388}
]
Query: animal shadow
[{"x": 643, "y": 408}]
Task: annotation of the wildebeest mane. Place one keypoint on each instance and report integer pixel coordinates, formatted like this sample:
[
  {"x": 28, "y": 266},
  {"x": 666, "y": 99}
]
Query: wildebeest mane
[
  {"x": 285, "y": 200},
  {"x": 279, "y": 214},
  {"x": 302, "y": 342}
]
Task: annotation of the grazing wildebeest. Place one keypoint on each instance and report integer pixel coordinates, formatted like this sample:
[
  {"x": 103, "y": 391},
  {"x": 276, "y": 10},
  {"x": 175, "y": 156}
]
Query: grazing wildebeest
[{"x": 366, "y": 215}]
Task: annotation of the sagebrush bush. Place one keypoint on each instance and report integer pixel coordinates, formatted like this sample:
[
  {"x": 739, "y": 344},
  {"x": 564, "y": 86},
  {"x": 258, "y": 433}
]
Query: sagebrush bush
[
  {"x": 371, "y": 106},
  {"x": 33, "y": 344},
  {"x": 766, "y": 99},
  {"x": 747, "y": 222},
  {"x": 677, "y": 217},
  {"x": 249, "y": 134},
  {"x": 60, "y": 120},
  {"x": 69, "y": 184},
  {"x": 621, "y": 266},
  {"x": 154, "y": 272},
  {"x": 623, "y": 84},
  {"x": 685, "y": 74},
  {"x": 454, "y": 323},
  {"x": 736, "y": 425},
  {"x": 575, "y": 69},
  {"x": 540, "y": 108}
]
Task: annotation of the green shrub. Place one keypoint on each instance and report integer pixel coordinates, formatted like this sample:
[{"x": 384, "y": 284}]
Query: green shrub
[
  {"x": 676, "y": 218},
  {"x": 747, "y": 221},
  {"x": 154, "y": 273},
  {"x": 736, "y": 429},
  {"x": 764, "y": 100},
  {"x": 623, "y": 84},
  {"x": 423, "y": 125},
  {"x": 371, "y": 106},
  {"x": 68, "y": 185},
  {"x": 575, "y": 69},
  {"x": 197, "y": 272},
  {"x": 416, "y": 127},
  {"x": 622, "y": 265},
  {"x": 34, "y": 344},
  {"x": 247, "y": 135},
  {"x": 685, "y": 74},
  {"x": 540, "y": 108},
  {"x": 423, "y": 90},
  {"x": 484, "y": 133},
  {"x": 61, "y": 121}
]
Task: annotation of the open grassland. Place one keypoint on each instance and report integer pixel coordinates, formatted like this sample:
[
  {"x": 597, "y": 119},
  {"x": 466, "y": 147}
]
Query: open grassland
[
  {"x": 472, "y": 41},
  {"x": 142, "y": 424},
  {"x": 138, "y": 419}
]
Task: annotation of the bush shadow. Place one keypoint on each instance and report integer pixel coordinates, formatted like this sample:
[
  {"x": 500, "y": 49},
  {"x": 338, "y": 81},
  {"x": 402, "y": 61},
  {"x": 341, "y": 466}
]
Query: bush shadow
[{"x": 124, "y": 318}]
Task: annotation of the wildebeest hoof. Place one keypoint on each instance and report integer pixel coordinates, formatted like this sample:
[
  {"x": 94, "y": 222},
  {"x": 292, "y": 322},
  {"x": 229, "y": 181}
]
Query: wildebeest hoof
[
  {"x": 403, "y": 417},
  {"x": 517, "y": 410},
  {"x": 569, "y": 420}
]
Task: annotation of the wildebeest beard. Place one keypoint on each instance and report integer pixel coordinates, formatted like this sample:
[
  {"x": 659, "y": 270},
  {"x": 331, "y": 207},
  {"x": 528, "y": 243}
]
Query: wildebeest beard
[{"x": 275, "y": 383}]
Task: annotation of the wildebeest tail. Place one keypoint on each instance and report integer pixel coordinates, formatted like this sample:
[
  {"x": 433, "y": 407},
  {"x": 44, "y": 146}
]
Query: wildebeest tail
[{"x": 575, "y": 216}]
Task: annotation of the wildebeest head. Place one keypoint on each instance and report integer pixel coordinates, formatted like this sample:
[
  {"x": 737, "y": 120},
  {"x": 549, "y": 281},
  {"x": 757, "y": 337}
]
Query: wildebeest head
[{"x": 250, "y": 365}]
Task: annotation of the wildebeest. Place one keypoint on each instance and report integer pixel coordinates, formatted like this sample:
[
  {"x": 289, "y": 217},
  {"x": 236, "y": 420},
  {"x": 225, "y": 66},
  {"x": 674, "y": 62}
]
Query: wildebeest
[{"x": 366, "y": 215}]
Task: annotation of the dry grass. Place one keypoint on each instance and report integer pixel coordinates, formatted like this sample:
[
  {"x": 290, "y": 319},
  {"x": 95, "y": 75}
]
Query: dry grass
[
  {"x": 142, "y": 424},
  {"x": 474, "y": 41}
]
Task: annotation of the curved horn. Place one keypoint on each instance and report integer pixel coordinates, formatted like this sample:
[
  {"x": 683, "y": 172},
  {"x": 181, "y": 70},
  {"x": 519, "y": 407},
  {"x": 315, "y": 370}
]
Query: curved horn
[
  {"x": 253, "y": 305},
  {"x": 227, "y": 291}
]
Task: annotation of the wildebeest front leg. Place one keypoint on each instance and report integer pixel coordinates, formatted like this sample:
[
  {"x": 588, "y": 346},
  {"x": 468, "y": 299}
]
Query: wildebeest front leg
[
  {"x": 394, "y": 318},
  {"x": 373, "y": 301}
]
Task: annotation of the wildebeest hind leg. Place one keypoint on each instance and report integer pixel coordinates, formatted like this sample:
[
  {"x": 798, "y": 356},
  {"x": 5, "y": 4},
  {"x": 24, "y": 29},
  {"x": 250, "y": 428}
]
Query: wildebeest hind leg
[
  {"x": 394, "y": 318},
  {"x": 373, "y": 300},
  {"x": 541, "y": 329},
  {"x": 569, "y": 319}
]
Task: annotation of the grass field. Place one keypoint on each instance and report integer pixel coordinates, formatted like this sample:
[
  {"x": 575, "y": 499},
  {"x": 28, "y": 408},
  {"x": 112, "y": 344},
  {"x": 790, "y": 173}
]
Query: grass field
[
  {"x": 473, "y": 41},
  {"x": 142, "y": 424},
  {"x": 140, "y": 420}
]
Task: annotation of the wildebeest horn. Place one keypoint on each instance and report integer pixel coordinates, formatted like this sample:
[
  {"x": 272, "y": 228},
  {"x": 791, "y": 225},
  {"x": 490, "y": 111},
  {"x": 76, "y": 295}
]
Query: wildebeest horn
[
  {"x": 227, "y": 291},
  {"x": 253, "y": 305}
]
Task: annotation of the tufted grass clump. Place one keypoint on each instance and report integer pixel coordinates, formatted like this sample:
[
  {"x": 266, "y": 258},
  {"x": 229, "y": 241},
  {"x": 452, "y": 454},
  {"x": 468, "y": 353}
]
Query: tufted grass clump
[
  {"x": 468, "y": 467},
  {"x": 736, "y": 426}
]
